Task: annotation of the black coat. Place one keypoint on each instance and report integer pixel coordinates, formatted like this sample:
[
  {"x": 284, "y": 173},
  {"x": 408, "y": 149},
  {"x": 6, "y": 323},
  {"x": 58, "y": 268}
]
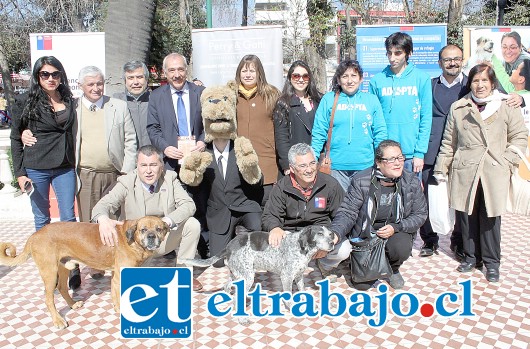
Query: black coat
[
  {"x": 229, "y": 194},
  {"x": 288, "y": 209},
  {"x": 292, "y": 124},
  {"x": 55, "y": 144},
  {"x": 357, "y": 211}
]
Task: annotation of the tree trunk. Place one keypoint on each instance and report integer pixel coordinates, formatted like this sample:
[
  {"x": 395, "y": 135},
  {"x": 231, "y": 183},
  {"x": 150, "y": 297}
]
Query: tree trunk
[
  {"x": 127, "y": 37},
  {"x": 6, "y": 78},
  {"x": 454, "y": 14},
  {"x": 315, "y": 60}
]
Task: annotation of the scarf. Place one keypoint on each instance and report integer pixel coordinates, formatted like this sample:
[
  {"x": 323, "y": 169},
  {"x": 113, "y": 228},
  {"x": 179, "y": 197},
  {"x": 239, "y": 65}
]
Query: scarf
[
  {"x": 492, "y": 103},
  {"x": 247, "y": 93},
  {"x": 379, "y": 175}
]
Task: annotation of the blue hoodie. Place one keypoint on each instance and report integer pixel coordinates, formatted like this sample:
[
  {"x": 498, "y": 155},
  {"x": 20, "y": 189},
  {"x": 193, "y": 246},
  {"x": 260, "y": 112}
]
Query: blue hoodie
[
  {"x": 358, "y": 127},
  {"x": 407, "y": 106}
]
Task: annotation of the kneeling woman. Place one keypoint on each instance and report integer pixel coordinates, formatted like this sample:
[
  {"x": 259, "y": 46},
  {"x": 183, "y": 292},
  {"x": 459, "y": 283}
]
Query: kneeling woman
[{"x": 383, "y": 200}]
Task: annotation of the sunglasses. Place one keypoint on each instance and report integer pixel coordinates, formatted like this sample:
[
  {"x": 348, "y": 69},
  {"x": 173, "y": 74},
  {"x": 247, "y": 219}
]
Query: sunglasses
[
  {"x": 297, "y": 77},
  {"x": 46, "y": 74}
]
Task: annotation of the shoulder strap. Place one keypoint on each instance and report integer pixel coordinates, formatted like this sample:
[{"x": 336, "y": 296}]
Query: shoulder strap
[{"x": 330, "y": 129}]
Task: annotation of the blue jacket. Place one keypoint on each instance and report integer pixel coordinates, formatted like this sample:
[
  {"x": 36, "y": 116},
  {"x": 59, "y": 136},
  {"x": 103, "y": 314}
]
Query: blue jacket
[
  {"x": 358, "y": 127},
  {"x": 407, "y": 106}
]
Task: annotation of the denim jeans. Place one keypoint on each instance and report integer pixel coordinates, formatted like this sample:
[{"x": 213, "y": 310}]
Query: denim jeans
[
  {"x": 343, "y": 177},
  {"x": 408, "y": 166},
  {"x": 64, "y": 182}
]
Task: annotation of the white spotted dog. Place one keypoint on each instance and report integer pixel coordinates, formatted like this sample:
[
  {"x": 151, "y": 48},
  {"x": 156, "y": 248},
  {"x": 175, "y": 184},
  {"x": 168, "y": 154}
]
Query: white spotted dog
[{"x": 248, "y": 253}]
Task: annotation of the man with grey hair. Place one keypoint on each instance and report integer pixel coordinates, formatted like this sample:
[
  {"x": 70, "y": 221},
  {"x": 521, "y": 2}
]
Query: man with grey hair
[
  {"x": 302, "y": 198},
  {"x": 175, "y": 112},
  {"x": 136, "y": 94}
]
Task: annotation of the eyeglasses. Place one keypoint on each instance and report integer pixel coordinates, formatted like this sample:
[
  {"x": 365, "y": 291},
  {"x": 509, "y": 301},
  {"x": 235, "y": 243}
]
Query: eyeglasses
[
  {"x": 454, "y": 59},
  {"x": 46, "y": 74},
  {"x": 511, "y": 48},
  {"x": 306, "y": 166},
  {"x": 393, "y": 159},
  {"x": 297, "y": 77}
]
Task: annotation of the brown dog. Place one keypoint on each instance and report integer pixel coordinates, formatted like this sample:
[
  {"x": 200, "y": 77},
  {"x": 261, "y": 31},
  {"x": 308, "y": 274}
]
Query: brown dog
[{"x": 69, "y": 242}]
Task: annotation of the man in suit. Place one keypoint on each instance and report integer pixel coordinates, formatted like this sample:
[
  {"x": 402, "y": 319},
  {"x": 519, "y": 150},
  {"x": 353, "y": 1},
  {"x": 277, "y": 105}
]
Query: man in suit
[
  {"x": 105, "y": 140},
  {"x": 136, "y": 94},
  {"x": 231, "y": 200},
  {"x": 150, "y": 190},
  {"x": 175, "y": 111}
]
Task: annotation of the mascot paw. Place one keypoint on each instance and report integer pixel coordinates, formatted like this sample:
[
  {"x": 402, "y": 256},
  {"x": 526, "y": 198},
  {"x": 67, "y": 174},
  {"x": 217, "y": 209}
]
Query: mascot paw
[
  {"x": 193, "y": 167},
  {"x": 247, "y": 160}
]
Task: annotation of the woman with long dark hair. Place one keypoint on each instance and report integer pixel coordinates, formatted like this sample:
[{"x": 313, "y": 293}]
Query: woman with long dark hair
[
  {"x": 255, "y": 104},
  {"x": 49, "y": 113},
  {"x": 295, "y": 111}
]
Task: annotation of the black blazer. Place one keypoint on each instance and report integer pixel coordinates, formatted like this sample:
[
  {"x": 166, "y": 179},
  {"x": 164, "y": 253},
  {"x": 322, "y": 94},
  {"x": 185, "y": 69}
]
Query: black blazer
[
  {"x": 292, "y": 124},
  {"x": 162, "y": 121},
  {"x": 55, "y": 146},
  {"x": 229, "y": 194}
]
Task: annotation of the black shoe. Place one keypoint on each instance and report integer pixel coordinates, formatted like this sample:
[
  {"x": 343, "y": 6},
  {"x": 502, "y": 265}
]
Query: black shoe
[
  {"x": 458, "y": 251},
  {"x": 170, "y": 255},
  {"x": 492, "y": 274},
  {"x": 465, "y": 267},
  {"x": 428, "y": 250},
  {"x": 74, "y": 281}
]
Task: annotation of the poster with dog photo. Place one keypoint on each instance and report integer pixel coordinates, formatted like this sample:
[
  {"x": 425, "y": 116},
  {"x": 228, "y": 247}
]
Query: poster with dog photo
[{"x": 482, "y": 43}]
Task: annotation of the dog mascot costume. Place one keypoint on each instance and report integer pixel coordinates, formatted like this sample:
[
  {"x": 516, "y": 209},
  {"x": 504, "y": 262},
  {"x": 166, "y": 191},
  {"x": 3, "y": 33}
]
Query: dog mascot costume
[{"x": 233, "y": 182}]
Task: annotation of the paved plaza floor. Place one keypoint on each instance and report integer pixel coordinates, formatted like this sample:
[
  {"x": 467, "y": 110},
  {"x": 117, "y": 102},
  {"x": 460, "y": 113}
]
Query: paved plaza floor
[{"x": 502, "y": 310}]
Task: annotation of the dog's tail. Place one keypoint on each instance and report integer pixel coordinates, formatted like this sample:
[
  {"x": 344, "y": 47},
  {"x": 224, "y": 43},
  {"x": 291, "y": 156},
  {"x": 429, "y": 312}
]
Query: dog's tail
[
  {"x": 203, "y": 262},
  {"x": 12, "y": 259}
]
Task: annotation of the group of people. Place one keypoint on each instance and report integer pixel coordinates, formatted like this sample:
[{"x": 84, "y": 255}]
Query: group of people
[{"x": 119, "y": 157}]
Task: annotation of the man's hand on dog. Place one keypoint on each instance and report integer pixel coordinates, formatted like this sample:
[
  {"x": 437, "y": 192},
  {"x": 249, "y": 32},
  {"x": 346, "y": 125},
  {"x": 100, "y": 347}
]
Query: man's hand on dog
[
  {"x": 276, "y": 236},
  {"x": 107, "y": 230}
]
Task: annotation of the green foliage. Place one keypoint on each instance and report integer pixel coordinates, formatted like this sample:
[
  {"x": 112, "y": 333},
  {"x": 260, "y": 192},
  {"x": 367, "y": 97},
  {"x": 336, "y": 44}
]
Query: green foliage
[
  {"x": 347, "y": 38},
  {"x": 170, "y": 33},
  {"x": 320, "y": 15},
  {"x": 517, "y": 13}
]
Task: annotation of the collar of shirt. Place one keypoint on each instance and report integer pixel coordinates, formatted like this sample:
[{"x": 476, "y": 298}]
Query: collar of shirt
[
  {"x": 224, "y": 153},
  {"x": 136, "y": 98},
  {"x": 146, "y": 186},
  {"x": 184, "y": 90},
  {"x": 457, "y": 80},
  {"x": 87, "y": 103}
]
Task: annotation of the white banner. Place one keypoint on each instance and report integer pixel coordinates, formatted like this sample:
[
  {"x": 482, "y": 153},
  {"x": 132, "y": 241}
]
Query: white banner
[
  {"x": 74, "y": 50},
  {"x": 217, "y": 52}
]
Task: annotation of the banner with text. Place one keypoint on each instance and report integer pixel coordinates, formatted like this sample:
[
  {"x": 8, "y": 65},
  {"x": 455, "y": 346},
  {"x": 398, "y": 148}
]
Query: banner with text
[
  {"x": 217, "y": 52},
  {"x": 428, "y": 39}
]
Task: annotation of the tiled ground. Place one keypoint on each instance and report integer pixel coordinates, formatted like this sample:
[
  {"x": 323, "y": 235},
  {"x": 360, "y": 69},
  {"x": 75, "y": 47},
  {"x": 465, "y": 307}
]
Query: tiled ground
[{"x": 502, "y": 310}]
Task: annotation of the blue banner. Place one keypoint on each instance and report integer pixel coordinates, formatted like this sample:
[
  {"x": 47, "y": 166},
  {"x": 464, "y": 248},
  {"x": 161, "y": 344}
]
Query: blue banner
[{"x": 428, "y": 39}]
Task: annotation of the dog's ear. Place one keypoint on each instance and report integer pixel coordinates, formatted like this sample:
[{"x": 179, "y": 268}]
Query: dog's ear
[
  {"x": 130, "y": 228},
  {"x": 306, "y": 239}
]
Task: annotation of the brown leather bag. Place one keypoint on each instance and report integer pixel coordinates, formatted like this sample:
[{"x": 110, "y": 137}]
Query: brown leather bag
[{"x": 325, "y": 159}]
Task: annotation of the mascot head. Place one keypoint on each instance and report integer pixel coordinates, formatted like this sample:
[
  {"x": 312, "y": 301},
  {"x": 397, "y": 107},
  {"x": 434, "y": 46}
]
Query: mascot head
[{"x": 219, "y": 111}]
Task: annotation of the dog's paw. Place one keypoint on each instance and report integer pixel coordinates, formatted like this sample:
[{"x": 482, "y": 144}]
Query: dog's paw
[
  {"x": 60, "y": 323},
  {"x": 193, "y": 167},
  {"x": 78, "y": 305},
  {"x": 245, "y": 321},
  {"x": 247, "y": 160},
  {"x": 287, "y": 304}
]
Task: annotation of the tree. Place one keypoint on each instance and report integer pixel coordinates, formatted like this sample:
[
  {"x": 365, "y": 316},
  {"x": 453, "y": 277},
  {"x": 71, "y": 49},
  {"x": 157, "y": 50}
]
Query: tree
[
  {"x": 320, "y": 15},
  {"x": 128, "y": 29}
]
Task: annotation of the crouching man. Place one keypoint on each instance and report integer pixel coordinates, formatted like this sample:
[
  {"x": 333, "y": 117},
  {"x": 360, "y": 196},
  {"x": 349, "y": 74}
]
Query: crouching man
[
  {"x": 302, "y": 198},
  {"x": 152, "y": 191}
]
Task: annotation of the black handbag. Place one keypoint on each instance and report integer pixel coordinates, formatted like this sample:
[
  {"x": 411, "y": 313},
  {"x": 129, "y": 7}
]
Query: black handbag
[{"x": 368, "y": 260}]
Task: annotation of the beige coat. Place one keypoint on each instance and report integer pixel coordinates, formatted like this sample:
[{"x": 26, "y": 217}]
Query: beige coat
[{"x": 474, "y": 149}]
